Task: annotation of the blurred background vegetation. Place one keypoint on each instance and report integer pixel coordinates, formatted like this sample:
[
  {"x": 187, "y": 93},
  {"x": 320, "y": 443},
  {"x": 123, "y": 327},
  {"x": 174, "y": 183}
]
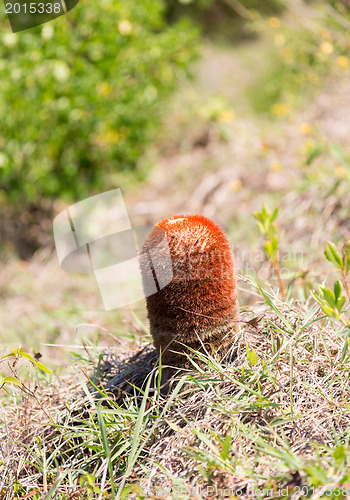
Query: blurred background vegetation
[
  {"x": 81, "y": 96},
  {"x": 207, "y": 106}
]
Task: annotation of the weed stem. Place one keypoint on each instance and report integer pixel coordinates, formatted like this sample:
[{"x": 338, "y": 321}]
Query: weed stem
[
  {"x": 346, "y": 285},
  {"x": 278, "y": 271}
]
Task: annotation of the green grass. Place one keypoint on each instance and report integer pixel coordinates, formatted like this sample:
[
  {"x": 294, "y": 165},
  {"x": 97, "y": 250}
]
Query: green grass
[{"x": 244, "y": 426}]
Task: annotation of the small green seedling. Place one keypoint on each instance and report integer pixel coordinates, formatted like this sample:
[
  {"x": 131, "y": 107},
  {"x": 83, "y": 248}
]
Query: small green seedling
[
  {"x": 332, "y": 302},
  {"x": 266, "y": 224},
  {"x": 252, "y": 356},
  {"x": 342, "y": 262},
  {"x": 88, "y": 481},
  {"x": 17, "y": 354}
]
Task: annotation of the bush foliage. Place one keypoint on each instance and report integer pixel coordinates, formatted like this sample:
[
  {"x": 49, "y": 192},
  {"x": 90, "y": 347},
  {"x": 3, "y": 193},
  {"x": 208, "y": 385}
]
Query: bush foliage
[
  {"x": 225, "y": 19},
  {"x": 81, "y": 95}
]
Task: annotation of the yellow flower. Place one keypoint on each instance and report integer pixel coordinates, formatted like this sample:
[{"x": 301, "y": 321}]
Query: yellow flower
[
  {"x": 326, "y": 48},
  {"x": 343, "y": 61},
  {"x": 106, "y": 139},
  {"x": 281, "y": 109},
  {"x": 274, "y": 22},
  {"x": 305, "y": 128},
  {"x": 340, "y": 171},
  {"x": 104, "y": 89},
  {"x": 236, "y": 185},
  {"x": 226, "y": 116},
  {"x": 125, "y": 27},
  {"x": 276, "y": 166},
  {"x": 287, "y": 54}
]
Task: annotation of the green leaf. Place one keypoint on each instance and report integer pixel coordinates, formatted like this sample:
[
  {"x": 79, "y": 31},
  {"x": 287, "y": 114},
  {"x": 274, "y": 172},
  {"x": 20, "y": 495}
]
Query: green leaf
[
  {"x": 345, "y": 348},
  {"x": 253, "y": 358},
  {"x": 269, "y": 249},
  {"x": 346, "y": 257},
  {"x": 347, "y": 264},
  {"x": 8, "y": 355},
  {"x": 317, "y": 476},
  {"x": 90, "y": 479},
  {"x": 43, "y": 367},
  {"x": 339, "y": 453},
  {"x": 333, "y": 255},
  {"x": 329, "y": 311},
  {"x": 340, "y": 303},
  {"x": 338, "y": 152},
  {"x": 105, "y": 440},
  {"x": 226, "y": 446},
  {"x": 261, "y": 227},
  {"x": 274, "y": 214},
  {"x": 338, "y": 287},
  {"x": 345, "y": 479},
  {"x": 317, "y": 297},
  {"x": 11, "y": 380},
  {"x": 326, "y": 308},
  {"x": 28, "y": 356},
  {"x": 247, "y": 351},
  {"x": 316, "y": 151},
  {"x": 274, "y": 242},
  {"x": 273, "y": 306},
  {"x": 257, "y": 216},
  {"x": 329, "y": 297}
]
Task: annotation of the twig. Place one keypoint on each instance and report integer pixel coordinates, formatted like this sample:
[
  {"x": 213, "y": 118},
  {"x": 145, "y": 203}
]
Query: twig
[
  {"x": 346, "y": 284},
  {"x": 278, "y": 271}
]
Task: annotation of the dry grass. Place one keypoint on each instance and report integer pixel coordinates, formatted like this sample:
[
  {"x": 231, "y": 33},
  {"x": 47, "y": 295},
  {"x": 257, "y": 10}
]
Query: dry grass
[{"x": 230, "y": 425}]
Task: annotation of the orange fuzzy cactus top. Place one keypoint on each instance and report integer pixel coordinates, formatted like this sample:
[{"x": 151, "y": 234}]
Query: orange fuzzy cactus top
[{"x": 199, "y": 305}]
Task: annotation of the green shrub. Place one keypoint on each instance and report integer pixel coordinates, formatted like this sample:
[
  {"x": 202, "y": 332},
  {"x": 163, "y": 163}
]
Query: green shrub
[
  {"x": 81, "y": 95},
  {"x": 305, "y": 51}
]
